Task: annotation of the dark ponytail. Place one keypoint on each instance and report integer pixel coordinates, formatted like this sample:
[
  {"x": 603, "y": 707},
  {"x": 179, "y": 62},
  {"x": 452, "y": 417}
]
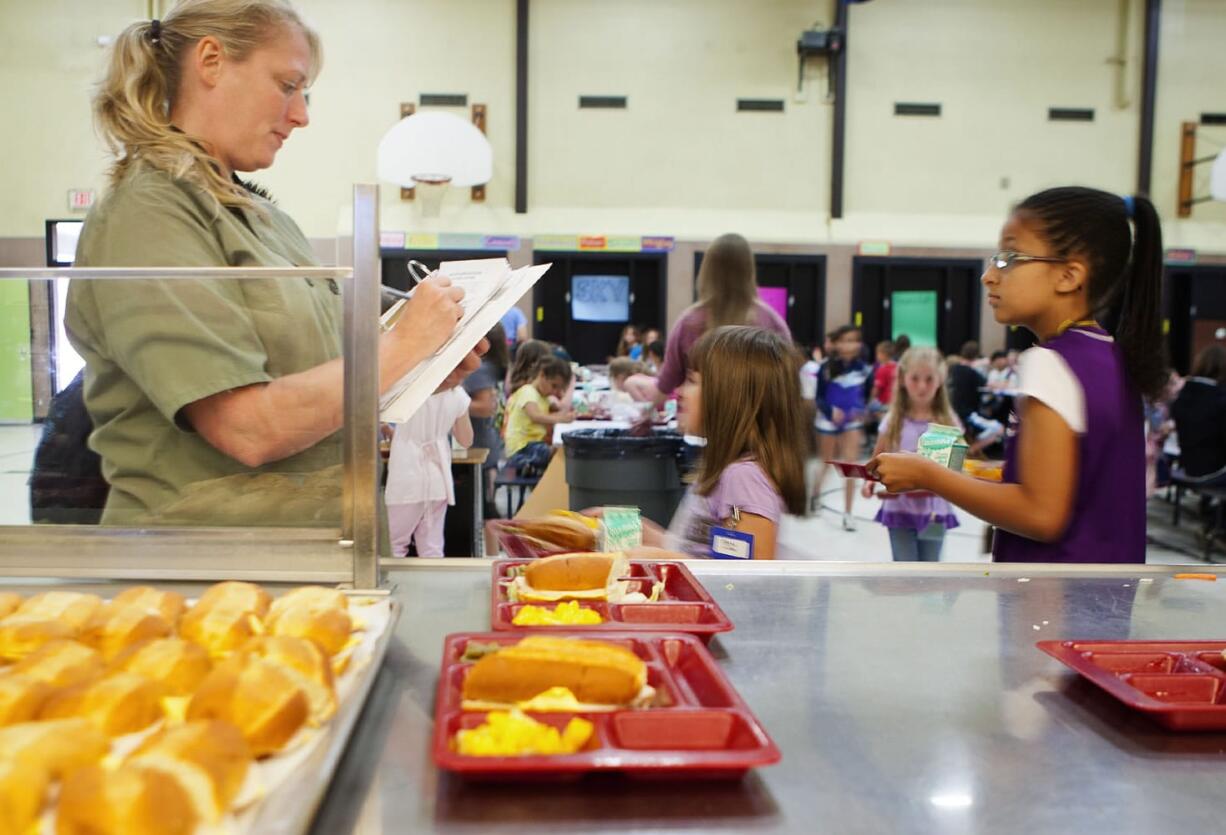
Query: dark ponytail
[{"x": 1125, "y": 284}]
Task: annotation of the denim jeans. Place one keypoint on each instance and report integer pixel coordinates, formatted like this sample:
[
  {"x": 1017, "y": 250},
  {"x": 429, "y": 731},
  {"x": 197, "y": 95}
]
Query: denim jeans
[{"x": 910, "y": 545}]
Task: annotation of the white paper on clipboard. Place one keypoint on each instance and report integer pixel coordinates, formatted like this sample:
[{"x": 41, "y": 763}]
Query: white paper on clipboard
[{"x": 491, "y": 288}]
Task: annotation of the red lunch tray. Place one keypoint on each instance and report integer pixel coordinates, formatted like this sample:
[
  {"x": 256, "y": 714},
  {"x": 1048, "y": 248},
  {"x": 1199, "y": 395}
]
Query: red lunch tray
[
  {"x": 704, "y": 730},
  {"x": 684, "y": 605},
  {"x": 1180, "y": 684}
]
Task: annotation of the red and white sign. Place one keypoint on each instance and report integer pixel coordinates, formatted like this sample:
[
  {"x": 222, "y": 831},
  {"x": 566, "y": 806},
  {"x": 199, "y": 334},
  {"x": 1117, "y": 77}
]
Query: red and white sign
[{"x": 81, "y": 199}]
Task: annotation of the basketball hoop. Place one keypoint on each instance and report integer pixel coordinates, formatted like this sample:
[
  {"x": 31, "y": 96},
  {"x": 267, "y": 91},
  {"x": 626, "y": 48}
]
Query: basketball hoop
[
  {"x": 430, "y": 190},
  {"x": 429, "y": 152}
]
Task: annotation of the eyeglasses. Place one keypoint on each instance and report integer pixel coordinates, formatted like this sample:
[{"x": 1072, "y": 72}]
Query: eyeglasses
[{"x": 1006, "y": 258}]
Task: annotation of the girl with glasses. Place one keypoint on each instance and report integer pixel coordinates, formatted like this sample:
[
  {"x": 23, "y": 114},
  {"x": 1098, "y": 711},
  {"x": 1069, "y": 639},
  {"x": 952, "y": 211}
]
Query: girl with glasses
[{"x": 1072, "y": 259}]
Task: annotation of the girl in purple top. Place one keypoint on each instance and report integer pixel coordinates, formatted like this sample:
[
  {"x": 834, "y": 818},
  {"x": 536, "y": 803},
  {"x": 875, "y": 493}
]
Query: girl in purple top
[
  {"x": 917, "y": 522},
  {"x": 1074, "y": 479},
  {"x": 727, "y": 295},
  {"x": 741, "y": 395}
]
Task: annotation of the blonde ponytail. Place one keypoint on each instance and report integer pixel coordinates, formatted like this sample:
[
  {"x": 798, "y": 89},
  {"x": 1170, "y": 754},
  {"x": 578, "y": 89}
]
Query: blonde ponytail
[{"x": 133, "y": 101}]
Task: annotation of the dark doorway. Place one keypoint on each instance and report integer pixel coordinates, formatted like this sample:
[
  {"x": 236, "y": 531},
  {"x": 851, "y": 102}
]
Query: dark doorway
[
  {"x": 586, "y": 298},
  {"x": 801, "y": 284},
  {"x": 932, "y": 296},
  {"x": 1195, "y": 299}
]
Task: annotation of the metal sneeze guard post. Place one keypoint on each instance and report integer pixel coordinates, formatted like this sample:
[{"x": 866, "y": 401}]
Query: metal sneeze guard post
[{"x": 346, "y": 555}]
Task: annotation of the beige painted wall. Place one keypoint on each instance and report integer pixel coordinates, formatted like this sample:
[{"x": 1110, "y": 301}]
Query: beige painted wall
[
  {"x": 679, "y": 160},
  {"x": 1190, "y": 82}
]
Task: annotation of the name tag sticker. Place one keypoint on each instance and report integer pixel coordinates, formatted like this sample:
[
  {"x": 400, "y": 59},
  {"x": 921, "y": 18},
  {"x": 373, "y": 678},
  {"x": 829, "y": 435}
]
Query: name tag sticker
[{"x": 727, "y": 544}]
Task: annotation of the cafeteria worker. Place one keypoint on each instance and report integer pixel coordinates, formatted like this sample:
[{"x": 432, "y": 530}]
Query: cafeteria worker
[{"x": 217, "y": 401}]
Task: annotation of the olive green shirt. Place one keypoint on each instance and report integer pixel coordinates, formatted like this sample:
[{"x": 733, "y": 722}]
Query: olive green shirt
[{"x": 153, "y": 346}]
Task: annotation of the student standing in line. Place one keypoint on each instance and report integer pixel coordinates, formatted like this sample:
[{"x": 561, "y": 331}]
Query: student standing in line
[
  {"x": 1074, "y": 479},
  {"x": 841, "y": 409},
  {"x": 917, "y": 524},
  {"x": 741, "y": 395},
  {"x": 419, "y": 483}
]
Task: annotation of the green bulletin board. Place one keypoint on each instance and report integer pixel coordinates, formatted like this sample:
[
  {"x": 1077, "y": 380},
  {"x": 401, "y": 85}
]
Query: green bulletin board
[
  {"x": 914, "y": 312},
  {"x": 16, "y": 381}
]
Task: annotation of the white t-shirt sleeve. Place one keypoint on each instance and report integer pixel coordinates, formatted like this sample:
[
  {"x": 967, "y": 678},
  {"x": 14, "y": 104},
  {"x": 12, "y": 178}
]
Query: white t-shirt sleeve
[{"x": 1045, "y": 376}]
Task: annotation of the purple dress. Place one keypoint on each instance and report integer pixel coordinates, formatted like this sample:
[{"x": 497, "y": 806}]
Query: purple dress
[
  {"x": 906, "y": 510},
  {"x": 1108, "y": 519}
]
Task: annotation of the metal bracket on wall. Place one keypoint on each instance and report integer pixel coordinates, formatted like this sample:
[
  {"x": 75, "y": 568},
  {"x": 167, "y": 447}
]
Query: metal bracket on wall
[{"x": 479, "y": 110}]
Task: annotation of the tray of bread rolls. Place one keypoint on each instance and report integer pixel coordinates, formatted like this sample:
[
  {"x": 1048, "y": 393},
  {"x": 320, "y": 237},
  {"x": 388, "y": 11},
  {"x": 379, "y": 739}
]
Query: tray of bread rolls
[
  {"x": 602, "y": 592},
  {"x": 151, "y": 712},
  {"x": 565, "y": 705}
]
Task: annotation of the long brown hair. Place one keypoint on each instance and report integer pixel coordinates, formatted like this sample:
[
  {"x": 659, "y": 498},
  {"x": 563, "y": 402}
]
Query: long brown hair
[
  {"x": 727, "y": 283},
  {"x": 900, "y": 403},
  {"x": 134, "y": 100},
  {"x": 751, "y": 408},
  {"x": 527, "y": 356}
]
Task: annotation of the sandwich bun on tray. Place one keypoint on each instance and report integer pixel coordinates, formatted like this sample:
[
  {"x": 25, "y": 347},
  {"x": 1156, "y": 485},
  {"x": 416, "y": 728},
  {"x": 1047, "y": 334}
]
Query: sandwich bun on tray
[
  {"x": 177, "y": 665},
  {"x": 575, "y": 577},
  {"x": 62, "y": 664},
  {"x": 168, "y": 604},
  {"x": 131, "y": 799},
  {"x": 208, "y": 758},
  {"x": 258, "y": 697},
  {"x": 601, "y": 676}
]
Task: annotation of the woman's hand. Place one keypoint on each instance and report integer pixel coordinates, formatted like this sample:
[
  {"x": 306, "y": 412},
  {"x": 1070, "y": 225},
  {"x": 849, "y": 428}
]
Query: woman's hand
[
  {"x": 902, "y": 471},
  {"x": 836, "y": 416},
  {"x": 431, "y": 315}
]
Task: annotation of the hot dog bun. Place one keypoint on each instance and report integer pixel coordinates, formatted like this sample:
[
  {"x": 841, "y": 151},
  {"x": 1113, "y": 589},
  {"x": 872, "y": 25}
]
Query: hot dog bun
[
  {"x": 220, "y": 629},
  {"x": 121, "y": 703},
  {"x": 258, "y": 697},
  {"x": 233, "y": 594},
  {"x": 66, "y": 606},
  {"x": 62, "y": 664},
  {"x": 596, "y": 672},
  {"x": 57, "y": 747},
  {"x": 559, "y": 531},
  {"x": 168, "y": 604},
  {"x": 178, "y": 665},
  {"x": 21, "y": 635},
  {"x": 209, "y": 758},
  {"x": 22, "y": 790},
  {"x": 21, "y": 698},
  {"x": 573, "y": 577},
  {"x": 314, "y": 597},
  {"x": 114, "y": 628},
  {"x": 129, "y": 800},
  {"x": 307, "y": 665}
]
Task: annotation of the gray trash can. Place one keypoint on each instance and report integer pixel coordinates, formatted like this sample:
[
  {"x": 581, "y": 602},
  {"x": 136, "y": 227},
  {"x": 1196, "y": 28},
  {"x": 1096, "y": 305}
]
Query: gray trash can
[{"x": 613, "y": 467}]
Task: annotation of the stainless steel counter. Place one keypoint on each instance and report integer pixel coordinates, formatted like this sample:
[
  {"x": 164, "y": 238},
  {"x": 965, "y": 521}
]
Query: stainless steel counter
[{"x": 904, "y": 699}]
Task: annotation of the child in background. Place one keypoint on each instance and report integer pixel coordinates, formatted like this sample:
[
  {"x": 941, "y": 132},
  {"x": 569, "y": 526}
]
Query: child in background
[
  {"x": 523, "y": 370},
  {"x": 419, "y": 484},
  {"x": 841, "y": 392},
  {"x": 740, "y": 394},
  {"x": 1001, "y": 377},
  {"x": 917, "y": 524},
  {"x": 530, "y": 416},
  {"x": 809, "y": 372},
  {"x": 630, "y": 380},
  {"x": 654, "y": 356},
  {"x": 1074, "y": 479},
  {"x": 884, "y": 373},
  {"x": 628, "y": 344}
]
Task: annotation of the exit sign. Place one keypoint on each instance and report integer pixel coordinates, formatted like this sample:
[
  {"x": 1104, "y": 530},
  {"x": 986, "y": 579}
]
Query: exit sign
[{"x": 80, "y": 199}]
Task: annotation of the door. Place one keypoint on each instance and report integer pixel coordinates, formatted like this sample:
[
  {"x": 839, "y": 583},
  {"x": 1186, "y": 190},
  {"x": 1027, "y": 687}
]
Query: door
[
  {"x": 1195, "y": 311},
  {"x": 587, "y": 298},
  {"x": 933, "y": 301},
  {"x": 794, "y": 286}
]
